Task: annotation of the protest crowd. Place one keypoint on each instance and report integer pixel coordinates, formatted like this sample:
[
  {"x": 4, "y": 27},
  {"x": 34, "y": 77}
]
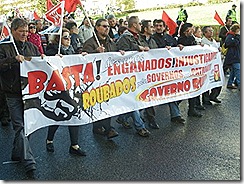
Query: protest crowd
[{"x": 107, "y": 34}]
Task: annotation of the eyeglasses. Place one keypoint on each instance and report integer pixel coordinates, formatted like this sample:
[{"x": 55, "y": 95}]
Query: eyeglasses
[
  {"x": 105, "y": 26},
  {"x": 160, "y": 25},
  {"x": 66, "y": 37},
  {"x": 32, "y": 27}
]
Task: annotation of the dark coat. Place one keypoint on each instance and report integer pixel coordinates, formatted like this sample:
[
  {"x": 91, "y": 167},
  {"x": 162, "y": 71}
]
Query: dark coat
[
  {"x": 10, "y": 67},
  {"x": 113, "y": 30},
  {"x": 151, "y": 42},
  {"x": 128, "y": 42},
  {"x": 222, "y": 34},
  {"x": 187, "y": 40},
  {"x": 52, "y": 50},
  {"x": 164, "y": 40},
  {"x": 91, "y": 45},
  {"x": 76, "y": 43},
  {"x": 232, "y": 42}
]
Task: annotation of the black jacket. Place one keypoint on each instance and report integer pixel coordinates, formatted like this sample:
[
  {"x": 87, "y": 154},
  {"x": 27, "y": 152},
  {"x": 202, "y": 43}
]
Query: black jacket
[
  {"x": 233, "y": 43},
  {"x": 164, "y": 40},
  {"x": 52, "y": 50},
  {"x": 10, "y": 67},
  {"x": 222, "y": 34},
  {"x": 187, "y": 40}
]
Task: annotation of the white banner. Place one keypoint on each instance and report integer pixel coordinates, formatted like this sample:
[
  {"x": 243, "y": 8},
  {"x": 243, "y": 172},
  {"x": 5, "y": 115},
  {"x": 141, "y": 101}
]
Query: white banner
[{"x": 76, "y": 90}]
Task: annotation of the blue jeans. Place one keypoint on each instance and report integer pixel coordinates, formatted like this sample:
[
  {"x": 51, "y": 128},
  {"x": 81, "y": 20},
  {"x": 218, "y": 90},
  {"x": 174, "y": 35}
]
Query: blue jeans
[
  {"x": 174, "y": 109},
  {"x": 21, "y": 148},
  {"x": 235, "y": 73},
  {"x": 139, "y": 124}
]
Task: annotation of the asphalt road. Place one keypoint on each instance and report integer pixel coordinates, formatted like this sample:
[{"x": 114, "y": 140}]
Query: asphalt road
[{"x": 206, "y": 148}]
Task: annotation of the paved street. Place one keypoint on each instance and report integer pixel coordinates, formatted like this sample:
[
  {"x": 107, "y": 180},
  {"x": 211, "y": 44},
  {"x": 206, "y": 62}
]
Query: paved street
[{"x": 206, "y": 148}]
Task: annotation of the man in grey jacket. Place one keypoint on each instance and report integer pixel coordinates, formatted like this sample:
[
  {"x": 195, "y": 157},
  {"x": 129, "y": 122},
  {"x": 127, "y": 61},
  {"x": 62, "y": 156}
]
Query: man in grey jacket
[{"x": 131, "y": 40}]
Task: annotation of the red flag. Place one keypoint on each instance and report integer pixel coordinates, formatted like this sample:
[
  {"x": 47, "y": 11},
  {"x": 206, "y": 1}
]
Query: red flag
[
  {"x": 36, "y": 17},
  {"x": 5, "y": 31},
  {"x": 169, "y": 22},
  {"x": 55, "y": 14},
  {"x": 217, "y": 17},
  {"x": 49, "y": 4},
  {"x": 70, "y": 5}
]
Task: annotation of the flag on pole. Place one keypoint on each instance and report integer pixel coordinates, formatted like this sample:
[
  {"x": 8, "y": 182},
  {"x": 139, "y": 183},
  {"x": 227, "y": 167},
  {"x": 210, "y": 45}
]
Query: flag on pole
[
  {"x": 169, "y": 22},
  {"x": 50, "y": 4},
  {"x": 217, "y": 17},
  {"x": 5, "y": 31},
  {"x": 7, "y": 37},
  {"x": 54, "y": 15},
  {"x": 70, "y": 5},
  {"x": 36, "y": 17}
]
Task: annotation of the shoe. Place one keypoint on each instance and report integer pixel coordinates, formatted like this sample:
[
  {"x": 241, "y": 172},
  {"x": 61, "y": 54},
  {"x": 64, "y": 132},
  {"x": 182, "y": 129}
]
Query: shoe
[
  {"x": 112, "y": 133},
  {"x": 50, "y": 147},
  {"x": 194, "y": 113},
  {"x": 100, "y": 131},
  {"x": 178, "y": 119},
  {"x": 77, "y": 152},
  {"x": 153, "y": 124},
  {"x": 29, "y": 169},
  {"x": 143, "y": 132},
  {"x": 231, "y": 87},
  {"x": 124, "y": 123},
  {"x": 207, "y": 103},
  {"x": 200, "y": 107},
  {"x": 215, "y": 100}
]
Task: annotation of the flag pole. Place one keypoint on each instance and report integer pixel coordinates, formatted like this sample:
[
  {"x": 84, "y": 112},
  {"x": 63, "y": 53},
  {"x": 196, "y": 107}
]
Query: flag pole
[
  {"x": 61, "y": 26},
  {"x": 11, "y": 36},
  {"x": 86, "y": 15},
  {"x": 15, "y": 46}
]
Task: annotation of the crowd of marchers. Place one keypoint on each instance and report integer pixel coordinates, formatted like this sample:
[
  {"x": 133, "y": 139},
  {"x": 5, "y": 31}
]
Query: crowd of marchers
[{"x": 107, "y": 35}]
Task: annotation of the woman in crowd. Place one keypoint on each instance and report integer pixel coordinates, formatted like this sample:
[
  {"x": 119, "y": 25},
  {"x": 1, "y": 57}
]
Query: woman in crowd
[
  {"x": 233, "y": 56},
  {"x": 66, "y": 49},
  {"x": 34, "y": 37}
]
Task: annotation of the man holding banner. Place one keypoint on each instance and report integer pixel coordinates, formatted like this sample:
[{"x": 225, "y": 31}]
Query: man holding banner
[
  {"x": 11, "y": 55},
  {"x": 131, "y": 40},
  {"x": 100, "y": 43}
]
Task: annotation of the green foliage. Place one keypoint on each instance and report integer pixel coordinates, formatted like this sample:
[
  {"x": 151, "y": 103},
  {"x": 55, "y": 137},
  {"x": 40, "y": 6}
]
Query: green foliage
[
  {"x": 219, "y": 1},
  {"x": 129, "y": 4},
  {"x": 41, "y": 7}
]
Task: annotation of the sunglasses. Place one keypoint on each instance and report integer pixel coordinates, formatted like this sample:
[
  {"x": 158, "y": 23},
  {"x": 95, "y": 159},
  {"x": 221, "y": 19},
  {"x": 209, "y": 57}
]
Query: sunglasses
[
  {"x": 105, "y": 26},
  {"x": 32, "y": 27},
  {"x": 66, "y": 37}
]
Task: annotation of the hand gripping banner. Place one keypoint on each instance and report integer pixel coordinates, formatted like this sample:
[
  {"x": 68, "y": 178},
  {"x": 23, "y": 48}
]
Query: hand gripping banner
[{"x": 76, "y": 90}]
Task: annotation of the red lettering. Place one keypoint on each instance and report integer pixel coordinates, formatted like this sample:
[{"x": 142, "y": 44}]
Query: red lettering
[
  {"x": 55, "y": 82},
  {"x": 88, "y": 73},
  {"x": 144, "y": 95},
  {"x": 36, "y": 81}
]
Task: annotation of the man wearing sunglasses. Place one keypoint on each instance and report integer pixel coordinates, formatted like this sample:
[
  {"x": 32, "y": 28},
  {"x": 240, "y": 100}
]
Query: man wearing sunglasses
[{"x": 102, "y": 127}]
